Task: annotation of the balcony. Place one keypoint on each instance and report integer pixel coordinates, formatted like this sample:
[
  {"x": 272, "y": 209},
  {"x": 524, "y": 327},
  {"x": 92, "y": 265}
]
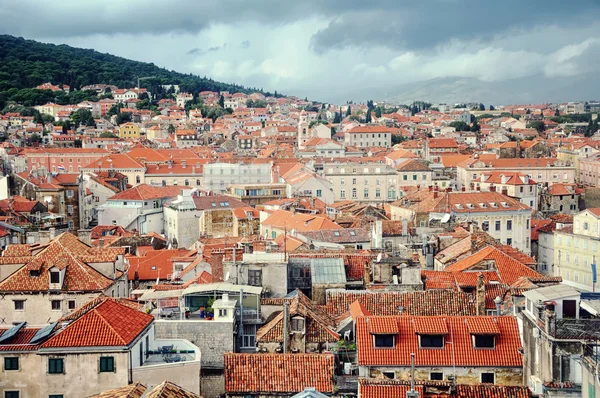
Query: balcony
[{"x": 171, "y": 351}]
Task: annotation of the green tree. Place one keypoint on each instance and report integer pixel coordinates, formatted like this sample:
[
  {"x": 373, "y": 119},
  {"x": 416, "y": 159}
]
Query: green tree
[
  {"x": 492, "y": 108},
  {"x": 222, "y": 101},
  {"x": 378, "y": 111},
  {"x": 460, "y": 126},
  {"x": 368, "y": 118},
  {"x": 108, "y": 134},
  {"x": 35, "y": 138},
  {"x": 115, "y": 109},
  {"x": 538, "y": 125},
  {"x": 171, "y": 129},
  {"x": 123, "y": 117},
  {"x": 83, "y": 117},
  {"x": 348, "y": 111},
  {"x": 337, "y": 118},
  {"x": 481, "y": 107},
  {"x": 475, "y": 127},
  {"x": 77, "y": 143}
]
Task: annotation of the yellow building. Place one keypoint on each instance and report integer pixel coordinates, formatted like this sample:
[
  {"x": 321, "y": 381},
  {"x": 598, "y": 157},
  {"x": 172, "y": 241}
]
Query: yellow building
[
  {"x": 129, "y": 130},
  {"x": 576, "y": 249}
]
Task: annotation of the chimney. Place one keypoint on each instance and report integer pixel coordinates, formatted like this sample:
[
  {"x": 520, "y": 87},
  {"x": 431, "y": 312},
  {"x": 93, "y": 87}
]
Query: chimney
[
  {"x": 430, "y": 188},
  {"x": 480, "y": 296},
  {"x": 478, "y": 188},
  {"x": 367, "y": 277},
  {"x": 505, "y": 191},
  {"x": 49, "y": 178},
  {"x": 435, "y": 194},
  {"x": 44, "y": 237},
  {"x": 216, "y": 266},
  {"x": 85, "y": 235},
  {"x": 550, "y": 321}
]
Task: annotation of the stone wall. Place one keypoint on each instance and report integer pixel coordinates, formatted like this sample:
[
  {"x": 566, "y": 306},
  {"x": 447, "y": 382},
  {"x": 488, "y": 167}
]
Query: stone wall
[
  {"x": 212, "y": 384},
  {"x": 214, "y": 338}
]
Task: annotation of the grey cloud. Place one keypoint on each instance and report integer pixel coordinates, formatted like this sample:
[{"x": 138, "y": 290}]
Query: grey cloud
[
  {"x": 195, "y": 51},
  {"x": 245, "y": 44}
]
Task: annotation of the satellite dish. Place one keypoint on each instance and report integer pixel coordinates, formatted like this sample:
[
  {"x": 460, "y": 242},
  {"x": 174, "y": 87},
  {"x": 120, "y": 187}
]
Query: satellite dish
[
  {"x": 379, "y": 258},
  {"x": 445, "y": 218},
  {"x": 227, "y": 276}
]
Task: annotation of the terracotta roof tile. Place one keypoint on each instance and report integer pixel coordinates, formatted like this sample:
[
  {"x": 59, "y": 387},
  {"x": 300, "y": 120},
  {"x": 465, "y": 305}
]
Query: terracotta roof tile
[
  {"x": 108, "y": 324},
  {"x": 135, "y": 390},
  {"x": 278, "y": 373},
  {"x": 458, "y": 349},
  {"x": 166, "y": 389}
]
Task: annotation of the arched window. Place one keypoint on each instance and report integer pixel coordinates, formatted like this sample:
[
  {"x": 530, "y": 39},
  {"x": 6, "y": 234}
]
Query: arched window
[
  {"x": 366, "y": 193},
  {"x": 198, "y": 182},
  {"x": 137, "y": 179},
  {"x": 354, "y": 193},
  {"x": 187, "y": 182}
]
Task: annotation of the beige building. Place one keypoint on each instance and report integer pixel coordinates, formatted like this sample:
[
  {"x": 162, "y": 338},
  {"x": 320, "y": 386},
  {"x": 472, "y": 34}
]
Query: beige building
[
  {"x": 42, "y": 283},
  {"x": 118, "y": 348},
  {"x": 369, "y": 136},
  {"x": 363, "y": 182},
  {"x": 576, "y": 249},
  {"x": 414, "y": 173}
]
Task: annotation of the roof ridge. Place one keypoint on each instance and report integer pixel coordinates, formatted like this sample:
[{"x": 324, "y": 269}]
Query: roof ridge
[{"x": 107, "y": 322}]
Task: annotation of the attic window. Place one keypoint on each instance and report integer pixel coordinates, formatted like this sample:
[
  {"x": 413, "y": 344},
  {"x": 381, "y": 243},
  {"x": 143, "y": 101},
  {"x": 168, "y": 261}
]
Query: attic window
[
  {"x": 54, "y": 277},
  {"x": 494, "y": 205},
  {"x": 154, "y": 268},
  {"x": 384, "y": 340},
  {"x": 458, "y": 206},
  {"x": 431, "y": 341},
  {"x": 484, "y": 341},
  {"x": 470, "y": 206},
  {"x": 352, "y": 233},
  {"x": 504, "y": 204},
  {"x": 482, "y": 205},
  {"x": 213, "y": 204},
  {"x": 336, "y": 233}
]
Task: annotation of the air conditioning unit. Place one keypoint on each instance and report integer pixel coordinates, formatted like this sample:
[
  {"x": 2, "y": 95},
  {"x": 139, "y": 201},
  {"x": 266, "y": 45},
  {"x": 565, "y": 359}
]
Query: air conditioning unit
[{"x": 535, "y": 385}]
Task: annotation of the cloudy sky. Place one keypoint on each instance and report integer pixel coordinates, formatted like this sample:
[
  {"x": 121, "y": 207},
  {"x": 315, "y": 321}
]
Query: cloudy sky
[{"x": 326, "y": 49}]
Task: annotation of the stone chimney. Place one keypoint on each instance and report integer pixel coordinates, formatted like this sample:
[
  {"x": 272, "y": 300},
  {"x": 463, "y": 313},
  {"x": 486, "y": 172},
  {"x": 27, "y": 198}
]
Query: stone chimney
[
  {"x": 85, "y": 235},
  {"x": 367, "y": 274},
  {"x": 216, "y": 266},
  {"x": 480, "y": 296},
  {"x": 44, "y": 237}
]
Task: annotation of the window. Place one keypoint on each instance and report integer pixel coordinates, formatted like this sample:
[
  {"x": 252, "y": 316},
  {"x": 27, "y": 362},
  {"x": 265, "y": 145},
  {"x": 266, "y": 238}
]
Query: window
[
  {"x": 343, "y": 193},
  {"x": 378, "y": 193},
  {"x": 138, "y": 179},
  {"x": 509, "y": 225},
  {"x": 71, "y": 304},
  {"x": 70, "y": 210},
  {"x": 54, "y": 277},
  {"x": 55, "y": 305},
  {"x": 405, "y": 177},
  {"x": 384, "y": 340},
  {"x": 55, "y": 396},
  {"x": 366, "y": 193},
  {"x": 297, "y": 325},
  {"x": 70, "y": 193},
  {"x": 488, "y": 378},
  {"x": 586, "y": 226},
  {"x": 107, "y": 364},
  {"x": 255, "y": 277},
  {"x": 484, "y": 341},
  {"x": 498, "y": 225},
  {"x": 11, "y": 363},
  {"x": 354, "y": 193},
  {"x": 319, "y": 193},
  {"x": 56, "y": 365},
  {"x": 431, "y": 341},
  {"x": 509, "y": 241},
  {"x": 436, "y": 376},
  {"x": 11, "y": 394},
  {"x": 354, "y": 181},
  {"x": 249, "y": 336},
  {"x": 222, "y": 312},
  {"x": 19, "y": 305},
  {"x": 389, "y": 375}
]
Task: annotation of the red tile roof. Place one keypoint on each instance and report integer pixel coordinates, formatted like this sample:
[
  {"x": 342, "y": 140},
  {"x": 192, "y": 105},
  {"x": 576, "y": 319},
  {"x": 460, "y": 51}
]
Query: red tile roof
[
  {"x": 64, "y": 252},
  {"x": 429, "y": 326},
  {"x": 482, "y": 326},
  {"x": 458, "y": 349},
  {"x": 20, "y": 341},
  {"x": 148, "y": 192},
  {"x": 380, "y": 388},
  {"x": 108, "y": 324},
  {"x": 278, "y": 373},
  {"x": 154, "y": 264},
  {"x": 382, "y": 325}
]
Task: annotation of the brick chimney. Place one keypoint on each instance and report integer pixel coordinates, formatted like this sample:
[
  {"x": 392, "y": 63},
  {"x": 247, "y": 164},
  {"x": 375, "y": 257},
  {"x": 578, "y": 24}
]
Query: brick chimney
[
  {"x": 480, "y": 296},
  {"x": 216, "y": 267}
]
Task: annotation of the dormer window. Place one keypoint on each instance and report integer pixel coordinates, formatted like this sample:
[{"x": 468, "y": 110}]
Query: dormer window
[
  {"x": 55, "y": 277},
  {"x": 431, "y": 341},
  {"x": 297, "y": 324},
  {"x": 336, "y": 233},
  {"x": 484, "y": 341},
  {"x": 385, "y": 340}
]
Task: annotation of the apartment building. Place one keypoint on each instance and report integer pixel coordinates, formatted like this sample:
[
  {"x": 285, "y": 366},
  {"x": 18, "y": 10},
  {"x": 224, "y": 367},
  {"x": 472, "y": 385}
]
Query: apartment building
[
  {"x": 369, "y": 136},
  {"x": 516, "y": 185},
  {"x": 219, "y": 176},
  {"x": 541, "y": 170},
  {"x": 363, "y": 182},
  {"x": 576, "y": 248},
  {"x": 61, "y": 159}
]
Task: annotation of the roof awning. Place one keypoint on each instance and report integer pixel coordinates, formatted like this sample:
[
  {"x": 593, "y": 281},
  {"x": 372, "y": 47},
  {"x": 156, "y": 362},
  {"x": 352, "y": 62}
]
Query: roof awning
[
  {"x": 222, "y": 287},
  {"x": 591, "y": 306},
  {"x": 160, "y": 294}
]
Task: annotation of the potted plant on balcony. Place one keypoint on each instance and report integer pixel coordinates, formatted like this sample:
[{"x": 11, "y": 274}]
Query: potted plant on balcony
[{"x": 209, "y": 311}]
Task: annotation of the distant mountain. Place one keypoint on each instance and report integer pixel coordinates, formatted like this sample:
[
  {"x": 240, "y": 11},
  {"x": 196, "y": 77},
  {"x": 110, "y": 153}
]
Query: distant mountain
[
  {"x": 450, "y": 90},
  {"x": 25, "y": 64}
]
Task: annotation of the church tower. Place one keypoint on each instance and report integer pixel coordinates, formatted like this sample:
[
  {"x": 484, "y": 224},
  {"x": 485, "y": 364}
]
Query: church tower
[{"x": 303, "y": 130}]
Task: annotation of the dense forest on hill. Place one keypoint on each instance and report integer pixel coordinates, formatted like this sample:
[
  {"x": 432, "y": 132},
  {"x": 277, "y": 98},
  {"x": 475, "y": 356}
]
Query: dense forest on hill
[{"x": 25, "y": 64}]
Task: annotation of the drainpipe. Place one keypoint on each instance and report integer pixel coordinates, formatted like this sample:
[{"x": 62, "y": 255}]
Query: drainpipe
[
  {"x": 241, "y": 334},
  {"x": 285, "y": 326}
]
